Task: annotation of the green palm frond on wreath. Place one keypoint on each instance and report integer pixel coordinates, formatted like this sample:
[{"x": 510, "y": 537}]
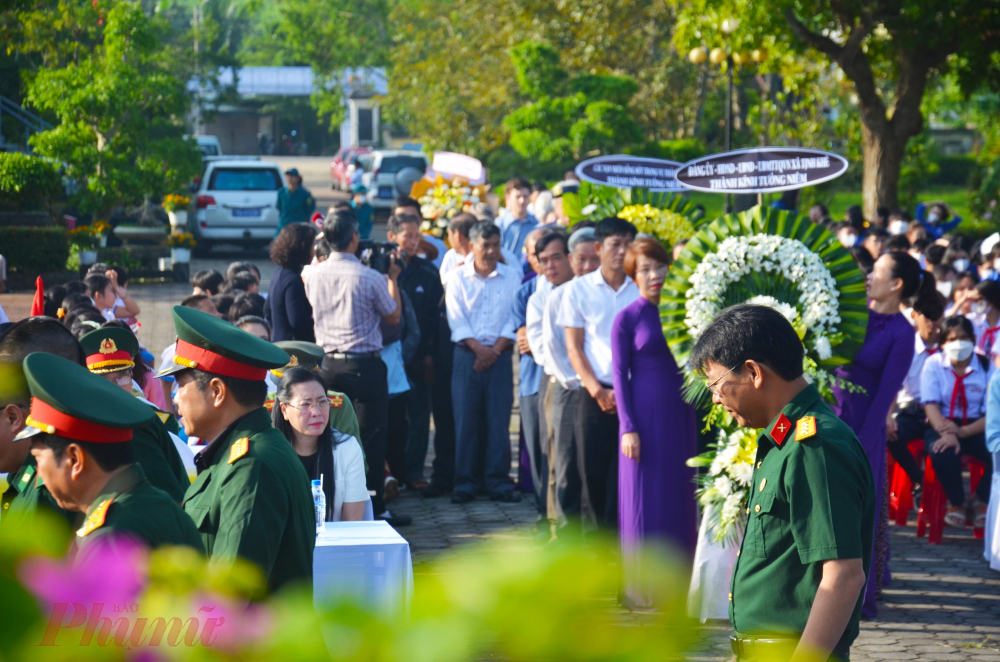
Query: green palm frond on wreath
[
  {"x": 609, "y": 201},
  {"x": 852, "y": 301}
]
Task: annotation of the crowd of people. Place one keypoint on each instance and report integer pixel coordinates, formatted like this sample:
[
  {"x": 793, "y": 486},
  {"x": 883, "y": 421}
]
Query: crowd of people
[{"x": 378, "y": 340}]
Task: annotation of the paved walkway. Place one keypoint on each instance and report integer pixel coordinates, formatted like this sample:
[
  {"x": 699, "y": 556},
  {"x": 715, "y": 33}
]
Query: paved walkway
[{"x": 943, "y": 604}]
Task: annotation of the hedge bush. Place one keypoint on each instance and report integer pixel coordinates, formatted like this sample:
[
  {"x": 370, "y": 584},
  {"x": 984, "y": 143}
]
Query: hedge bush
[
  {"x": 27, "y": 183},
  {"x": 954, "y": 171},
  {"x": 34, "y": 250}
]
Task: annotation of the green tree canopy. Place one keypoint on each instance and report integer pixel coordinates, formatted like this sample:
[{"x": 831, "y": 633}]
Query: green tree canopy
[
  {"x": 121, "y": 116},
  {"x": 566, "y": 117},
  {"x": 888, "y": 49}
]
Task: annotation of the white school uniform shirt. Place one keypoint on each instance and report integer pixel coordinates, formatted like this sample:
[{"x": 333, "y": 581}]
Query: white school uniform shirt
[
  {"x": 591, "y": 304},
  {"x": 348, "y": 472},
  {"x": 937, "y": 382},
  {"x": 479, "y": 307},
  {"x": 533, "y": 321},
  {"x": 910, "y": 393},
  {"x": 554, "y": 342}
]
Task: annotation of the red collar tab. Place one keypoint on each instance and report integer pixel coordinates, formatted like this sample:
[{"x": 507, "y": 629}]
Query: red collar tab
[
  {"x": 193, "y": 356},
  {"x": 781, "y": 429},
  {"x": 52, "y": 421}
]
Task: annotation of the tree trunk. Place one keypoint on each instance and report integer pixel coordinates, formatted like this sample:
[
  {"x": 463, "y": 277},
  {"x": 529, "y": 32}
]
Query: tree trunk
[{"x": 883, "y": 160}]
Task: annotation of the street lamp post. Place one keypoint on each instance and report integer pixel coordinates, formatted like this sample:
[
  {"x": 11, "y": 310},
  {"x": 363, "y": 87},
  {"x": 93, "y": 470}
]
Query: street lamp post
[{"x": 717, "y": 56}]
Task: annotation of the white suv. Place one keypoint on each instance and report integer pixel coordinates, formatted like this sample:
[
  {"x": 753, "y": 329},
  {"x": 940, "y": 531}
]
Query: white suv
[
  {"x": 393, "y": 174},
  {"x": 237, "y": 202}
]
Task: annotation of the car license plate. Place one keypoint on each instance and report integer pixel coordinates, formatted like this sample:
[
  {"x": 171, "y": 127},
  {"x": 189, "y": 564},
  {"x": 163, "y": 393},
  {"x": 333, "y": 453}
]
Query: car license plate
[
  {"x": 246, "y": 212},
  {"x": 385, "y": 191}
]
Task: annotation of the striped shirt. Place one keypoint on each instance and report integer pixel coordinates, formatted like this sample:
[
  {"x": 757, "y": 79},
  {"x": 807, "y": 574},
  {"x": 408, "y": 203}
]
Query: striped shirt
[
  {"x": 479, "y": 307},
  {"x": 348, "y": 301}
]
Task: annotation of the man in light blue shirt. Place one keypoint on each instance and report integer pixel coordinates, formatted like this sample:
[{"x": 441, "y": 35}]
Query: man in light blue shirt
[{"x": 515, "y": 221}]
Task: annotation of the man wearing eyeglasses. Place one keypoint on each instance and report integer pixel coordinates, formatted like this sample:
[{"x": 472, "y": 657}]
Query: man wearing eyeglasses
[{"x": 796, "y": 589}]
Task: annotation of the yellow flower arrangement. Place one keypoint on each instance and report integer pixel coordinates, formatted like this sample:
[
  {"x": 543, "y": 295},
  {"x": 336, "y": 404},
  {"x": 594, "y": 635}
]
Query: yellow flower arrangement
[
  {"x": 173, "y": 202},
  {"x": 84, "y": 238},
  {"x": 441, "y": 201},
  {"x": 100, "y": 228},
  {"x": 667, "y": 226},
  {"x": 181, "y": 240}
]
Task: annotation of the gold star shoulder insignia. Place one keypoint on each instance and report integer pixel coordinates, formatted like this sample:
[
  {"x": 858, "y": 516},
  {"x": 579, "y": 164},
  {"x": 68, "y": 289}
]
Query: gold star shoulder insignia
[
  {"x": 95, "y": 519},
  {"x": 805, "y": 428},
  {"x": 239, "y": 448}
]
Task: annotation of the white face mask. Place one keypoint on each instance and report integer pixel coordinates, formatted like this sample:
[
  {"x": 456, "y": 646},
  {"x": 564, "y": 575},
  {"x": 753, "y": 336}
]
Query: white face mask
[
  {"x": 922, "y": 259},
  {"x": 933, "y": 217},
  {"x": 987, "y": 274},
  {"x": 958, "y": 350},
  {"x": 961, "y": 265},
  {"x": 898, "y": 227},
  {"x": 996, "y": 264},
  {"x": 848, "y": 240},
  {"x": 944, "y": 287}
]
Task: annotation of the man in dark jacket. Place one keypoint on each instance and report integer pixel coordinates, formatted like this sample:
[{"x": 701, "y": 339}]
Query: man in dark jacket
[{"x": 422, "y": 284}]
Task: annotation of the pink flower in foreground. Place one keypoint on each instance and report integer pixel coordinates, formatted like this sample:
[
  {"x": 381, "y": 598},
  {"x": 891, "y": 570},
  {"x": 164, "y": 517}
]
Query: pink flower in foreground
[
  {"x": 236, "y": 624},
  {"x": 111, "y": 570}
]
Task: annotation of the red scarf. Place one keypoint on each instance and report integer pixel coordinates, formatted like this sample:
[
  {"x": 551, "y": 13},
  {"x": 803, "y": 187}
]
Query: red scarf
[
  {"x": 986, "y": 342},
  {"x": 958, "y": 394}
]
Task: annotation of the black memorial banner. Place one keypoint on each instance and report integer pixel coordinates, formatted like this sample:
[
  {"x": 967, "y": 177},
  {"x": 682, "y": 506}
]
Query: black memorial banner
[
  {"x": 761, "y": 170},
  {"x": 625, "y": 171}
]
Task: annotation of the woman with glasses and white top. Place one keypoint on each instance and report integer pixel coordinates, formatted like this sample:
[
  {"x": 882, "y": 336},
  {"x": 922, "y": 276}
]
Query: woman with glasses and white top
[
  {"x": 302, "y": 414},
  {"x": 953, "y": 391}
]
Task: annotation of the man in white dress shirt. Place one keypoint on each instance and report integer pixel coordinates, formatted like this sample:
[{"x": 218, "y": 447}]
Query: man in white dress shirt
[
  {"x": 587, "y": 312},
  {"x": 461, "y": 248},
  {"x": 478, "y": 297},
  {"x": 563, "y": 498}
]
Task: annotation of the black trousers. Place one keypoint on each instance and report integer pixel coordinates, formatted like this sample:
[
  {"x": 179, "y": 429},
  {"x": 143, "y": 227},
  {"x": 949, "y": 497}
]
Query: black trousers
[
  {"x": 396, "y": 436},
  {"x": 910, "y": 427},
  {"x": 948, "y": 466},
  {"x": 443, "y": 467},
  {"x": 365, "y": 383},
  {"x": 597, "y": 434}
]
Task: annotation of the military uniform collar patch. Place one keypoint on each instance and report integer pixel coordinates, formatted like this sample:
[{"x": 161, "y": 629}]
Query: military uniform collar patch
[
  {"x": 780, "y": 429},
  {"x": 95, "y": 519}
]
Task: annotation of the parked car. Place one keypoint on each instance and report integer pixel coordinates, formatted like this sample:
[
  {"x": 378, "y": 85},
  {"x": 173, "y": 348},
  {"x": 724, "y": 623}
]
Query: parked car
[
  {"x": 209, "y": 145},
  {"x": 393, "y": 174},
  {"x": 339, "y": 177},
  {"x": 237, "y": 202}
]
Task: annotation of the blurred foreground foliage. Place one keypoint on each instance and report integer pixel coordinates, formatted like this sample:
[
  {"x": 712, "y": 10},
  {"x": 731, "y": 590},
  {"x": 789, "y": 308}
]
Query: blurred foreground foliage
[{"x": 506, "y": 599}]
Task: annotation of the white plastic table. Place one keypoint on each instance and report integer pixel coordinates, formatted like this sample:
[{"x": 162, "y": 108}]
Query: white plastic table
[{"x": 365, "y": 560}]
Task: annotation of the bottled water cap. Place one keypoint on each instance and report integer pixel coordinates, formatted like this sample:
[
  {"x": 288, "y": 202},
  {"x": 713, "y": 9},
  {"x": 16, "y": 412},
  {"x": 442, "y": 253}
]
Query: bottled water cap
[{"x": 315, "y": 483}]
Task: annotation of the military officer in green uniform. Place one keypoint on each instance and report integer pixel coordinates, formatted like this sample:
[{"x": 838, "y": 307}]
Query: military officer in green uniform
[
  {"x": 110, "y": 353},
  {"x": 308, "y": 355},
  {"x": 252, "y": 497},
  {"x": 797, "y": 585},
  {"x": 80, "y": 428},
  {"x": 295, "y": 203},
  {"x": 26, "y": 493}
]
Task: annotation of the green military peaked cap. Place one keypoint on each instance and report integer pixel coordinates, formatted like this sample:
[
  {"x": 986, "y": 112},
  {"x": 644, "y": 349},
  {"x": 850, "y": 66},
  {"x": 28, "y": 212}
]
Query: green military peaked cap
[
  {"x": 109, "y": 349},
  {"x": 303, "y": 355},
  {"x": 69, "y": 402},
  {"x": 208, "y": 343}
]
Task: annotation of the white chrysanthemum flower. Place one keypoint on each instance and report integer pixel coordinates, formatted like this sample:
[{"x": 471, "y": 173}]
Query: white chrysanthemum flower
[
  {"x": 741, "y": 472},
  {"x": 731, "y": 509},
  {"x": 723, "y": 486},
  {"x": 823, "y": 348}
]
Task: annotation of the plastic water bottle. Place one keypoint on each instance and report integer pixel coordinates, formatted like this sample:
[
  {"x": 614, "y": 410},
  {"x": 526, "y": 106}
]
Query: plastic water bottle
[{"x": 319, "y": 505}]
